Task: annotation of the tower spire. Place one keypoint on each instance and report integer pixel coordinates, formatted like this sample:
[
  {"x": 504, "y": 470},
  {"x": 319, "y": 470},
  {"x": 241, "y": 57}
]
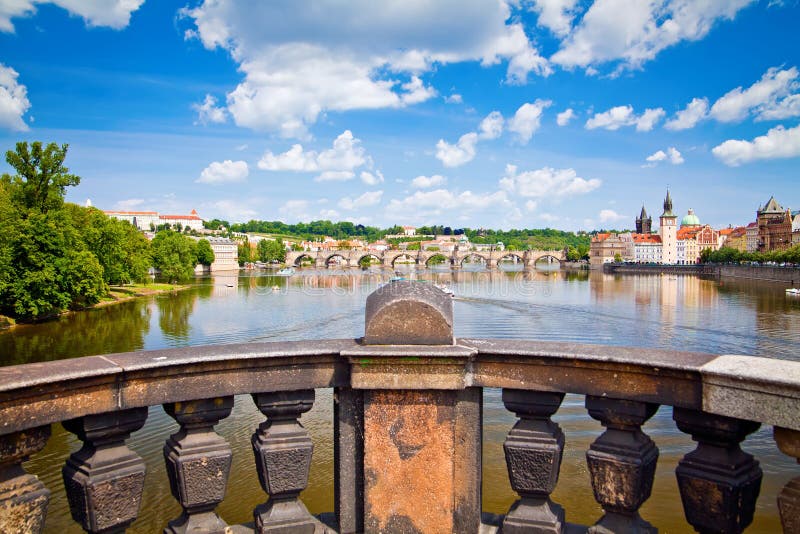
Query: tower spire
[{"x": 668, "y": 206}]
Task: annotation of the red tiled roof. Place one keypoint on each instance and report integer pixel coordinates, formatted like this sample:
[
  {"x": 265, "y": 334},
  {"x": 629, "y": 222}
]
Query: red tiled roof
[
  {"x": 646, "y": 238},
  {"x": 185, "y": 217},
  {"x": 119, "y": 212},
  {"x": 688, "y": 233}
]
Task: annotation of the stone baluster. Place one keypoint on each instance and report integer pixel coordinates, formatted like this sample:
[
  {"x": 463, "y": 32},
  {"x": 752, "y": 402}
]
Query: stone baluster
[
  {"x": 283, "y": 450},
  {"x": 104, "y": 479},
  {"x": 789, "y": 498},
  {"x": 719, "y": 483},
  {"x": 198, "y": 462},
  {"x": 23, "y": 497},
  {"x": 533, "y": 450},
  {"x": 622, "y": 463}
]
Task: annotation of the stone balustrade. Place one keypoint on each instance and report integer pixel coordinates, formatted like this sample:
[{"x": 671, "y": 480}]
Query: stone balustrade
[{"x": 407, "y": 429}]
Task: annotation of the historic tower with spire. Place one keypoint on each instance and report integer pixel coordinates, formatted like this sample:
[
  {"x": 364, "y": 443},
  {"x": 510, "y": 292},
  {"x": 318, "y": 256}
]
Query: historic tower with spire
[
  {"x": 644, "y": 224},
  {"x": 669, "y": 233}
]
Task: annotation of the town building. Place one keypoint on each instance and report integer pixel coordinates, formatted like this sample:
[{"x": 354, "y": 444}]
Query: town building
[
  {"x": 646, "y": 248},
  {"x": 605, "y": 247},
  {"x": 143, "y": 220},
  {"x": 668, "y": 231},
  {"x": 644, "y": 223},
  {"x": 774, "y": 226},
  {"x": 752, "y": 237},
  {"x": 736, "y": 239},
  {"x": 192, "y": 221},
  {"x": 226, "y": 254},
  {"x": 796, "y": 228},
  {"x": 409, "y": 231}
]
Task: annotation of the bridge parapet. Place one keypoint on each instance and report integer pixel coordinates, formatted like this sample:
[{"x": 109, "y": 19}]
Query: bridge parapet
[{"x": 404, "y": 415}]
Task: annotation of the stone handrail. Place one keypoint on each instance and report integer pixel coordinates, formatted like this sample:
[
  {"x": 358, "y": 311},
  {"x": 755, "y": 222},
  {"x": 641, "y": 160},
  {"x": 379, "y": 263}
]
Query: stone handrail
[{"x": 407, "y": 406}]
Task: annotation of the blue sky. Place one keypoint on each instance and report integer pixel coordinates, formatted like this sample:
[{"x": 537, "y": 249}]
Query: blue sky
[{"x": 400, "y": 112}]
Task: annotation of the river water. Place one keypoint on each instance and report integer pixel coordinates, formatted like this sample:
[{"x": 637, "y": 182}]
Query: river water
[{"x": 673, "y": 312}]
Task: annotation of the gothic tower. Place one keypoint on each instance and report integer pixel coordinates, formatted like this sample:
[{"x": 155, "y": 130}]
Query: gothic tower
[
  {"x": 669, "y": 233},
  {"x": 644, "y": 223}
]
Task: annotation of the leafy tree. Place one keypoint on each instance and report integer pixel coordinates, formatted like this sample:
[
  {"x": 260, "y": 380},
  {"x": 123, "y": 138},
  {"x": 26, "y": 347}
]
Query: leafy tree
[
  {"x": 617, "y": 258},
  {"x": 174, "y": 254},
  {"x": 42, "y": 178},
  {"x": 271, "y": 250},
  {"x": 244, "y": 252},
  {"x": 413, "y": 246},
  {"x": 205, "y": 255}
]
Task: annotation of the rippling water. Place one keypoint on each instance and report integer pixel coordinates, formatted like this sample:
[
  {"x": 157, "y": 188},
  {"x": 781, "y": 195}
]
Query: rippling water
[{"x": 683, "y": 313}]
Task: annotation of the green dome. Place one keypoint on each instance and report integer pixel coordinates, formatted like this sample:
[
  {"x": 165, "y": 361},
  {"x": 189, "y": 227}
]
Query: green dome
[{"x": 690, "y": 219}]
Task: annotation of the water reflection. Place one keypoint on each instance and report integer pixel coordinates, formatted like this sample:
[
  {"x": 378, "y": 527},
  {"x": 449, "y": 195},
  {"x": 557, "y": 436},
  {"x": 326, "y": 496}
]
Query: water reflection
[{"x": 677, "y": 312}]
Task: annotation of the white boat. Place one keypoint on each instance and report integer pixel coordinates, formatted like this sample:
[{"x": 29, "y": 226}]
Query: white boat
[
  {"x": 286, "y": 271},
  {"x": 445, "y": 288},
  {"x": 793, "y": 291}
]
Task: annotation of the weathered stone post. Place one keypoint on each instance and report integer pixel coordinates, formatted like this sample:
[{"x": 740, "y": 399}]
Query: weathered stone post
[
  {"x": 421, "y": 423},
  {"x": 23, "y": 497},
  {"x": 789, "y": 498}
]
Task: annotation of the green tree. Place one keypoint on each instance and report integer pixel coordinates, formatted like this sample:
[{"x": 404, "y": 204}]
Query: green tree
[
  {"x": 271, "y": 250},
  {"x": 245, "y": 253},
  {"x": 174, "y": 254},
  {"x": 205, "y": 255},
  {"x": 42, "y": 178},
  {"x": 617, "y": 258}
]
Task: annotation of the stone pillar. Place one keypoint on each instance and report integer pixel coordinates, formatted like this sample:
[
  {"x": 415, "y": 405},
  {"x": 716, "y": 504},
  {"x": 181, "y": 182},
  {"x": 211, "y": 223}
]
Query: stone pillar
[
  {"x": 348, "y": 459},
  {"x": 533, "y": 449},
  {"x": 283, "y": 450},
  {"x": 23, "y": 497},
  {"x": 622, "y": 464},
  {"x": 719, "y": 483},
  {"x": 789, "y": 498},
  {"x": 198, "y": 462},
  {"x": 104, "y": 479},
  {"x": 422, "y": 424}
]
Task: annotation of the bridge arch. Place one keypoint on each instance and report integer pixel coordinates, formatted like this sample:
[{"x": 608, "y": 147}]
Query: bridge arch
[
  {"x": 405, "y": 255},
  {"x": 518, "y": 255},
  {"x": 445, "y": 260},
  {"x": 472, "y": 256},
  {"x": 298, "y": 261},
  {"x": 547, "y": 258},
  {"x": 370, "y": 255},
  {"x": 345, "y": 260}
]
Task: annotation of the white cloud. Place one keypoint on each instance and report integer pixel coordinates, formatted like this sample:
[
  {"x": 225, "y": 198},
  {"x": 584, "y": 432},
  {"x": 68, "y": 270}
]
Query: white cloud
[
  {"x": 619, "y": 116},
  {"x": 224, "y": 172},
  {"x": 765, "y": 97},
  {"x": 13, "y": 100},
  {"x": 491, "y": 127},
  {"x": 672, "y": 155},
  {"x": 112, "y": 13},
  {"x": 209, "y": 112},
  {"x": 336, "y": 163},
  {"x": 606, "y": 216},
  {"x": 460, "y": 153},
  {"x": 329, "y": 214},
  {"x": 556, "y": 15},
  {"x": 335, "y": 176},
  {"x": 688, "y": 117},
  {"x": 295, "y": 210},
  {"x": 372, "y": 178},
  {"x": 546, "y": 183},
  {"x": 633, "y": 32},
  {"x": 426, "y": 182},
  {"x": 128, "y": 204},
  {"x": 531, "y": 205},
  {"x": 785, "y": 108},
  {"x": 424, "y": 205},
  {"x": 647, "y": 120},
  {"x": 455, "y": 98},
  {"x": 777, "y": 143},
  {"x": 370, "y": 198},
  {"x": 527, "y": 119},
  {"x": 300, "y": 63},
  {"x": 563, "y": 118},
  {"x": 230, "y": 210}
]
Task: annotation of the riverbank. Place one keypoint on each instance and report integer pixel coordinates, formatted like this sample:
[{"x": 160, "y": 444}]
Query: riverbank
[
  {"x": 116, "y": 295},
  {"x": 770, "y": 273}
]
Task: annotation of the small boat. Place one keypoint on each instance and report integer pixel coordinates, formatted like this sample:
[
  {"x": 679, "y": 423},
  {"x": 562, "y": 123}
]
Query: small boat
[
  {"x": 228, "y": 285},
  {"x": 793, "y": 291},
  {"x": 445, "y": 288},
  {"x": 276, "y": 288},
  {"x": 286, "y": 271}
]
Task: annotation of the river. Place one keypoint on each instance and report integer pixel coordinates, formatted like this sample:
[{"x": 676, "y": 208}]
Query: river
[{"x": 674, "y": 312}]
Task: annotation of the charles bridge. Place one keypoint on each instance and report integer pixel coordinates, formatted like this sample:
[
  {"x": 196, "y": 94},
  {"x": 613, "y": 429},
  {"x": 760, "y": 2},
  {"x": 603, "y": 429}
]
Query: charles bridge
[
  {"x": 407, "y": 428},
  {"x": 456, "y": 259}
]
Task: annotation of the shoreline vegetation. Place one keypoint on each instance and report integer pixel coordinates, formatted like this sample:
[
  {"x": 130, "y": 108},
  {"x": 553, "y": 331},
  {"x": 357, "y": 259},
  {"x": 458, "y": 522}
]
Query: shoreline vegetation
[{"x": 116, "y": 295}]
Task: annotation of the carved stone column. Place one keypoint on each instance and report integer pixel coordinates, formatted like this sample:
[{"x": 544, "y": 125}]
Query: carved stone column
[
  {"x": 789, "y": 498},
  {"x": 719, "y": 483},
  {"x": 104, "y": 479},
  {"x": 533, "y": 449},
  {"x": 622, "y": 463},
  {"x": 283, "y": 450},
  {"x": 23, "y": 497},
  {"x": 198, "y": 462}
]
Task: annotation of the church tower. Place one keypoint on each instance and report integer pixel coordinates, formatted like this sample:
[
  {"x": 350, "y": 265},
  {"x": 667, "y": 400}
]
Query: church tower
[
  {"x": 669, "y": 233},
  {"x": 644, "y": 223}
]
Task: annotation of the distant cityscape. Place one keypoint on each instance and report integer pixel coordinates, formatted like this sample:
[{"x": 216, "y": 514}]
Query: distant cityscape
[{"x": 775, "y": 228}]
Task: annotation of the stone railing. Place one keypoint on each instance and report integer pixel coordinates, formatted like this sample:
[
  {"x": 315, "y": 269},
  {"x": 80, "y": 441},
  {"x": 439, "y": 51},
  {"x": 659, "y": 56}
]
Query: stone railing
[{"x": 407, "y": 433}]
